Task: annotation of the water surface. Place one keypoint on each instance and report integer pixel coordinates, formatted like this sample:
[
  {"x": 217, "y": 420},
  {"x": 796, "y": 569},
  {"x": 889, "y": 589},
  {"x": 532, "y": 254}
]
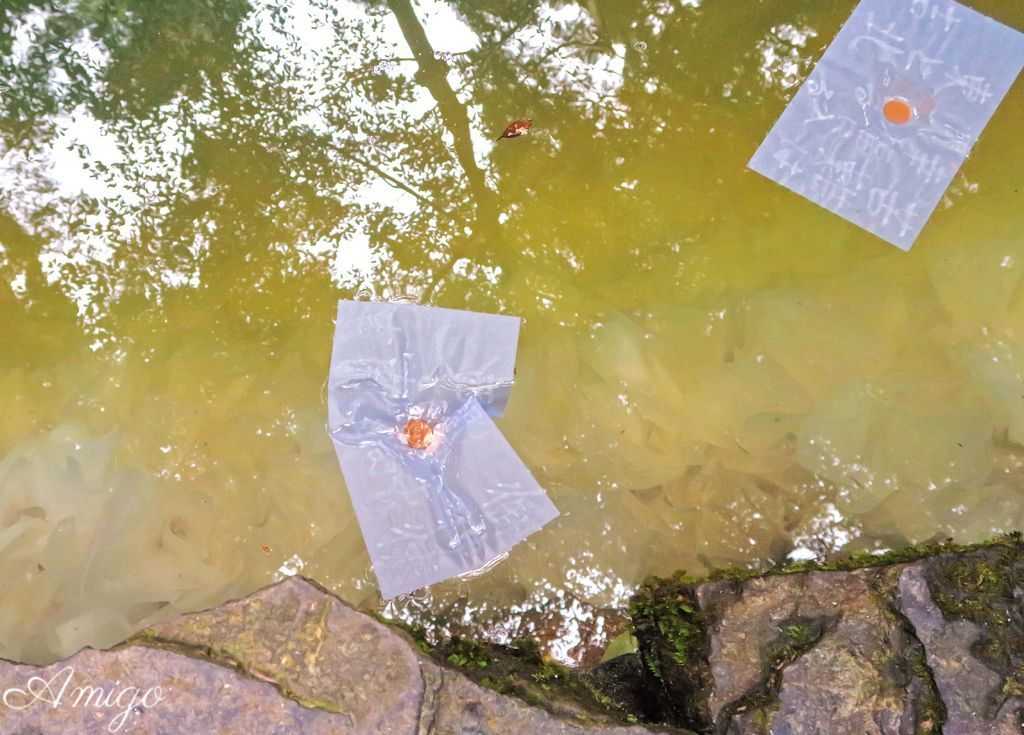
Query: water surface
[{"x": 712, "y": 371}]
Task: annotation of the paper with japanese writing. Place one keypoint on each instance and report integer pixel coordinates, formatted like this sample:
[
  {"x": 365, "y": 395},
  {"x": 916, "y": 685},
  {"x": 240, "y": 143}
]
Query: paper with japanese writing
[
  {"x": 883, "y": 122},
  {"x": 429, "y": 515}
]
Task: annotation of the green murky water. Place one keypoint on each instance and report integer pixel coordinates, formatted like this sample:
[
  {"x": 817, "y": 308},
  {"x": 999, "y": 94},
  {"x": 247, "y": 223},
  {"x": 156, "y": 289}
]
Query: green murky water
[{"x": 712, "y": 370}]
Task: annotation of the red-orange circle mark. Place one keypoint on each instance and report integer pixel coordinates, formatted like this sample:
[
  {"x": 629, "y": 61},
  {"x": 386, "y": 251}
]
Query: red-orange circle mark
[
  {"x": 418, "y": 434},
  {"x": 897, "y": 111}
]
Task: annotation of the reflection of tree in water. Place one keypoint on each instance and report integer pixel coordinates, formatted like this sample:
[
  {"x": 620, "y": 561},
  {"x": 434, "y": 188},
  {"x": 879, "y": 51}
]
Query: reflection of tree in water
[
  {"x": 255, "y": 144},
  {"x": 235, "y": 128}
]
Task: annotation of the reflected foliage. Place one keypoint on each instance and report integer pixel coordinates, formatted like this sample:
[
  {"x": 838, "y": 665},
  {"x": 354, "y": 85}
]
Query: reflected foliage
[
  {"x": 232, "y": 127},
  {"x": 190, "y": 185}
]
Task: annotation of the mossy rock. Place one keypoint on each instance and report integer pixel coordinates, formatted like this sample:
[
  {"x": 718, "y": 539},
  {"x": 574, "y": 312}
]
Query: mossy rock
[
  {"x": 520, "y": 670},
  {"x": 673, "y": 641},
  {"x": 987, "y": 588}
]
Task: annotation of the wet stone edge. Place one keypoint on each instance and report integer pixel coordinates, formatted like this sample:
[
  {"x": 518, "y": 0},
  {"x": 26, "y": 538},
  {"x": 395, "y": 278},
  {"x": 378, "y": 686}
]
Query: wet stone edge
[
  {"x": 982, "y": 583},
  {"x": 671, "y": 681}
]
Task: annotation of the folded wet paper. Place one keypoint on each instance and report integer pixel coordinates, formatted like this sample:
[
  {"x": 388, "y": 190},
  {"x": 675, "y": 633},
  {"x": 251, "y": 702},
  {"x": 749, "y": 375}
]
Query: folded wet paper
[
  {"x": 458, "y": 497},
  {"x": 890, "y": 112}
]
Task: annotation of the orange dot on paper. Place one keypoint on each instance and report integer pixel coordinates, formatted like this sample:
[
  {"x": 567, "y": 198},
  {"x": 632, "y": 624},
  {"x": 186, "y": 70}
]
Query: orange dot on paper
[
  {"x": 266, "y": 548},
  {"x": 418, "y": 434},
  {"x": 897, "y": 111}
]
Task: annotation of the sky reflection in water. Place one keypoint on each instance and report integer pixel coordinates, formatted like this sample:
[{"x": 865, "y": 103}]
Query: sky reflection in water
[{"x": 712, "y": 371}]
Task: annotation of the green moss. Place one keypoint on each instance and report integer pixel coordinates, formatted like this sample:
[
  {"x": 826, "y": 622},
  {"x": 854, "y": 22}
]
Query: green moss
[
  {"x": 980, "y": 588},
  {"x": 933, "y": 710},
  {"x": 528, "y": 650},
  {"x": 416, "y": 632},
  {"x": 800, "y": 635},
  {"x": 521, "y": 670},
  {"x": 673, "y": 645},
  {"x": 551, "y": 672},
  {"x": 498, "y": 685},
  {"x": 976, "y": 587},
  {"x": 467, "y": 655},
  {"x": 669, "y": 605},
  {"x": 860, "y": 559},
  {"x": 1014, "y": 684}
]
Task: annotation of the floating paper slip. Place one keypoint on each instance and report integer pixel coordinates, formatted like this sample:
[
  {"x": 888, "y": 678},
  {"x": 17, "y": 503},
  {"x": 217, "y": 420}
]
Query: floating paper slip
[
  {"x": 405, "y": 348},
  {"x": 437, "y": 490},
  {"x": 891, "y": 111}
]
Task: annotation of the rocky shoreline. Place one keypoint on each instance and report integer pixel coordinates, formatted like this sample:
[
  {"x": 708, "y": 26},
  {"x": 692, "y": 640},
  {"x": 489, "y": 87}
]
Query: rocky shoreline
[
  {"x": 927, "y": 645},
  {"x": 924, "y": 641}
]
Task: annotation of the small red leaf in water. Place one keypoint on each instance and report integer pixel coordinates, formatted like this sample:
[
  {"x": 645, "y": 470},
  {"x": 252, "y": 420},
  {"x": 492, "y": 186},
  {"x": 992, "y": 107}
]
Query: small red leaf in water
[{"x": 517, "y": 128}]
